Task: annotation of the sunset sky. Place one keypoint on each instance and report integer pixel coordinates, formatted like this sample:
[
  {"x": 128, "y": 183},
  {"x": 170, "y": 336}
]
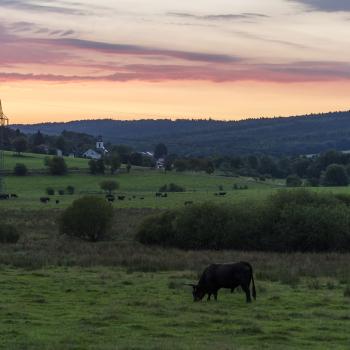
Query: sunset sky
[{"x": 122, "y": 59}]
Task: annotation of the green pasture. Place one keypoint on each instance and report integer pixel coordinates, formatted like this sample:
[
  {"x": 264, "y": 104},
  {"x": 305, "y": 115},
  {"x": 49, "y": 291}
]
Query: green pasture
[
  {"x": 138, "y": 184},
  {"x": 36, "y": 161},
  {"x": 110, "y": 308}
]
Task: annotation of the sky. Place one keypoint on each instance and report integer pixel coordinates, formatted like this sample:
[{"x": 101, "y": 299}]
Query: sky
[{"x": 132, "y": 59}]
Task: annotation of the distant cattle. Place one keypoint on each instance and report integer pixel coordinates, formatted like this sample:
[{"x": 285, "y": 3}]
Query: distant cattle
[
  {"x": 44, "y": 200},
  {"x": 222, "y": 193},
  {"x": 158, "y": 194},
  {"x": 142, "y": 198},
  {"x": 164, "y": 195},
  {"x": 57, "y": 201},
  {"x": 230, "y": 276},
  {"x": 121, "y": 198},
  {"x": 110, "y": 197},
  {"x": 4, "y": 196},
  {"x": 14, "y": 195}
]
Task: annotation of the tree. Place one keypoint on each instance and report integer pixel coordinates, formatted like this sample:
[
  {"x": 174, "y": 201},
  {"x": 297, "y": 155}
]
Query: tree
[
  {"x": 160, "y": 151},
  {"x": 61, "y": 144},
  {"x": 335, "y": 175},
  {"x": 20, "y": 144},
  {"x": 87, "y": 218},
  {"x": 209, "y": 169},
  {"x": 293, "y": 181},
  {"x": 56, "y": 165},
  {"x": 113, "y": 160},
  {"x": 136, "y": 159},
  {"x": 20, "y": 170},
  {"x": 97, "y": 166},
  {"x": 109, "y": 186},
  {"x": 38, "y": 139}
]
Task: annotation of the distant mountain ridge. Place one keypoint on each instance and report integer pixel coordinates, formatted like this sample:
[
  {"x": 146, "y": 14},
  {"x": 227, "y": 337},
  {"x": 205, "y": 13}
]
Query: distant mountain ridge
[{"x": 288, "y": 135}]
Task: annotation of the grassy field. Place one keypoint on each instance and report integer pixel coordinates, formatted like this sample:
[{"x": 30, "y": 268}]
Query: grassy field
[
  {"x": 136, "y": 185},
  {"x": 108, "y": 308},
  {"x": 36, "y": 161},
  {"x": 61, "y": 293}
]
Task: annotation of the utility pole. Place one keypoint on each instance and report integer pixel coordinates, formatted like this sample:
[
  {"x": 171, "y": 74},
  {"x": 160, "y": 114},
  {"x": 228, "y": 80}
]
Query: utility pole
[{"x": 4, "y": 122}]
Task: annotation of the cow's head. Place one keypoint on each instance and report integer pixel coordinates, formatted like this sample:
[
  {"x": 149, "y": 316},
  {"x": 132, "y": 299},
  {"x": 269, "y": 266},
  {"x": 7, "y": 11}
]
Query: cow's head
[{"x": 197, "y": 292}]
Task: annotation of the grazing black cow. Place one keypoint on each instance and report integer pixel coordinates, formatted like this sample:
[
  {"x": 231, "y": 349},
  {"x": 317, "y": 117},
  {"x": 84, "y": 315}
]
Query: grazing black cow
[
  {"x": 158, "y": 194},
  {"x": 121, "y": 198},
  {"x": 217, "y": 276},
  {"x": 110, "y": 197},
  {"x": 57, "y": 201},
  {"x": 4, "y": 196},
  {"x": 222, "y": 193},
  {"x": 14, "y": 195},
  {"x": 142, "y": 198},
  {"x": 44, "y": 199}
]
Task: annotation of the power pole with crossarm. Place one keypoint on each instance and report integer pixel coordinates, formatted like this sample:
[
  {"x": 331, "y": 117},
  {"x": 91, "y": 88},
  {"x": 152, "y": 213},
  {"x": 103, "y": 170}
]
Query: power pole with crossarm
[{"x": 4, "y": 122}]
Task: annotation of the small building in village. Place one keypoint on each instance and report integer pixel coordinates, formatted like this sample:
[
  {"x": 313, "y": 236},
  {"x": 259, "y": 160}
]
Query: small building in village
[{"x": 98, "y": 152}]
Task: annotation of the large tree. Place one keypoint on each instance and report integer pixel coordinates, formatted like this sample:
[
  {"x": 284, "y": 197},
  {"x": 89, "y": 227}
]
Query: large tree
[
  {"x": 20, "y": 144},
  {"x": 335, "y": 175},
  {"x": 160, "y": 151}
]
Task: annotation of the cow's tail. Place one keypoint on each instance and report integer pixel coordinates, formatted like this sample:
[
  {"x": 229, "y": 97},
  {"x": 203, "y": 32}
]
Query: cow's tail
[{"x": 252, "y": 279}]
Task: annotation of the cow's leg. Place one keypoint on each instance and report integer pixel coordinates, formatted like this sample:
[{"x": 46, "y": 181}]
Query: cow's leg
[{"x": 247, "y": 292}]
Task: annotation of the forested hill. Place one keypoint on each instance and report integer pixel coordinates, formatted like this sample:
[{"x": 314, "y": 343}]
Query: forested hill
[{"x": 291, "y": 135}]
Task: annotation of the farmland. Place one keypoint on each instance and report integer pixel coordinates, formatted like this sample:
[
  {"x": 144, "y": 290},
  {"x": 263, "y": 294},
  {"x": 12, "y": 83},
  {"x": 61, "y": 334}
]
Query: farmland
[{"x": 63, "y": 293}]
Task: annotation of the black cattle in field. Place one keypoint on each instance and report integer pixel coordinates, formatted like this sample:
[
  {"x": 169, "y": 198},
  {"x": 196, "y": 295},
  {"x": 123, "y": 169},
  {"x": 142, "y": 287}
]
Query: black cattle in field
[
  {"x": 4, "y": 196},
  {"x": 158, "y": 194},
  {"x": 110, "y": 197},
  {"x": 222, "y": 193},
  {"x": 230, "y": 276},
  {"x": 57, "y": 201},
  {"x": 164, "y": 195},
  {"x": 121, "y": 198},
  {"x": 14, "y": 195},
  {"x": 44, "y": 199}
]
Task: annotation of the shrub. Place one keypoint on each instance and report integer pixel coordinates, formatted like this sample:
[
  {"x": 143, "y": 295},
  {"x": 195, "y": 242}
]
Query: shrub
[
  {"x": 293, "y": 181},
  {"x": 56, "y": 165},
  {"x": 297, "y": 220},
  {"x": 335, "y": 175},
  {"x": 8, "y": 234},
  {"x": 70, "y": 189},
  {"x": 20, "y": 169},
  {"x": 109, "y": 186},
  {"x": 87, "y": 218},
  {"x": 172, "y": 188},
  {"x": 61, "y": 192},
  {"x": 50, "y": 191}
]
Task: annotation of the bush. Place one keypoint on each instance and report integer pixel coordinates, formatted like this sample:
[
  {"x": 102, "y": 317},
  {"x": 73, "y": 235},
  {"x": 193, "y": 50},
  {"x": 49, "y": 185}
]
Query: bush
[
  {"x": 61, "y": 192},
  {"x": 8, "y": 234},
  {"x": 293, "y": 181},
  {"x": 288, "y": 221},
  {"x": 56, "y": 165},
  {"x": 70, "y": 189},
  {"x": 335, "y": 175},
  {"x": 109, "y": 186},
  {"x": 172, "y": 188},
  {"x": 50, "y": 191},
  {"x": 20, "y": 169},
  {"x": 87, "y": 218}
]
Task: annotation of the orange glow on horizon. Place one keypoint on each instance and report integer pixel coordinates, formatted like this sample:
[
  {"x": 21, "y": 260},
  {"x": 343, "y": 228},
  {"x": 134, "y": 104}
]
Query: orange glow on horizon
[{"x": 35, "y": 102}]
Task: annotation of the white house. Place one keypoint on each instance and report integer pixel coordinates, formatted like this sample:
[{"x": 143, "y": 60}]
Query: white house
[
  {"x": 98, "y": 152},
  {"x": 92, "y": 154}
]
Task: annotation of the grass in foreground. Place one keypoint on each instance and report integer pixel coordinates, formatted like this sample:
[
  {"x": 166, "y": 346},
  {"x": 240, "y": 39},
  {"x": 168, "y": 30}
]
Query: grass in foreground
[{"x": 107, "y": 308}]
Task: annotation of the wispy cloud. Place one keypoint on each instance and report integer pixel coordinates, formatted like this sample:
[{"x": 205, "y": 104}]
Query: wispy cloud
[
  {"x": 27, "y": 5},
  {"x": 219, "y": 17},
  {"x": 124, "y": 49},
  {"x": 326, "y": 5}
]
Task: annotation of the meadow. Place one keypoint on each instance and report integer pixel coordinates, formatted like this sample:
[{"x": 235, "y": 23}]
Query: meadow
[{"x": 63, "y": 293}]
